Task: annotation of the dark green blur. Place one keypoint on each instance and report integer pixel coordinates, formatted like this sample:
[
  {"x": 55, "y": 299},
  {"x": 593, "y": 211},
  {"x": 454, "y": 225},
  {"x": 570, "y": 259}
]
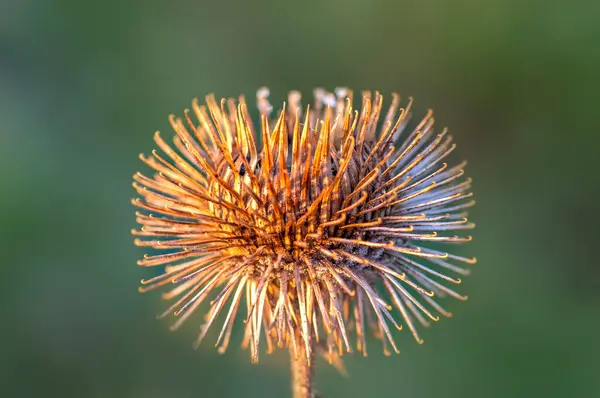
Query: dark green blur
[{"x": 84, "y": 85}]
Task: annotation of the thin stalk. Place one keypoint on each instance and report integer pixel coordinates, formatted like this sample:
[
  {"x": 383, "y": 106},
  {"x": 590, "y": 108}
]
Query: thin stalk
[{"x": 302, "y": 373}]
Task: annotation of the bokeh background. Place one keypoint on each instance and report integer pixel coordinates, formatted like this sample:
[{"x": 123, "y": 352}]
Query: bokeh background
[{"x": 83, "y": 86}]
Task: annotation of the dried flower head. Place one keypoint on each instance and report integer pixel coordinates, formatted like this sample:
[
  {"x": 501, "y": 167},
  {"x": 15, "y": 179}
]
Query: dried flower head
[{"x": 323, "y": 222}]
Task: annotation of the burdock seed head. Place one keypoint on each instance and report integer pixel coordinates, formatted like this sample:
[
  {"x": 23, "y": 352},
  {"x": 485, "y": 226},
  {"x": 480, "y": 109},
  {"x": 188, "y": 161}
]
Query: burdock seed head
[{"x": 322, "y": 222}]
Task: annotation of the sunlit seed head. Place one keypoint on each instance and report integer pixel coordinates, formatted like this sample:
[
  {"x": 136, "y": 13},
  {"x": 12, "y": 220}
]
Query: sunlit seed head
[{"x": 313, "y": 226}]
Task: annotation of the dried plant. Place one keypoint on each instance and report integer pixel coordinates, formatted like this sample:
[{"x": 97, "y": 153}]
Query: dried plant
[{"x": 322, "y": 222}]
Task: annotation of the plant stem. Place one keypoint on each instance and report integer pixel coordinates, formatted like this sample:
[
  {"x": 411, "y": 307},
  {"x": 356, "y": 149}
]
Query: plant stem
[{"x": 302, "y": 373}]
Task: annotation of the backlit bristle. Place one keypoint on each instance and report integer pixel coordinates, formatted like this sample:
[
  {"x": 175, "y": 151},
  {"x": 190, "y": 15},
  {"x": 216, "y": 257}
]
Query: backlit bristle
[{"x": 316, "y": 227}]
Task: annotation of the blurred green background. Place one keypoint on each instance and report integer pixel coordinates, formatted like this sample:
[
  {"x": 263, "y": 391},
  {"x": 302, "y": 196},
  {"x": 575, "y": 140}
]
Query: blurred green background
[{"x": 83, "y": 86}]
